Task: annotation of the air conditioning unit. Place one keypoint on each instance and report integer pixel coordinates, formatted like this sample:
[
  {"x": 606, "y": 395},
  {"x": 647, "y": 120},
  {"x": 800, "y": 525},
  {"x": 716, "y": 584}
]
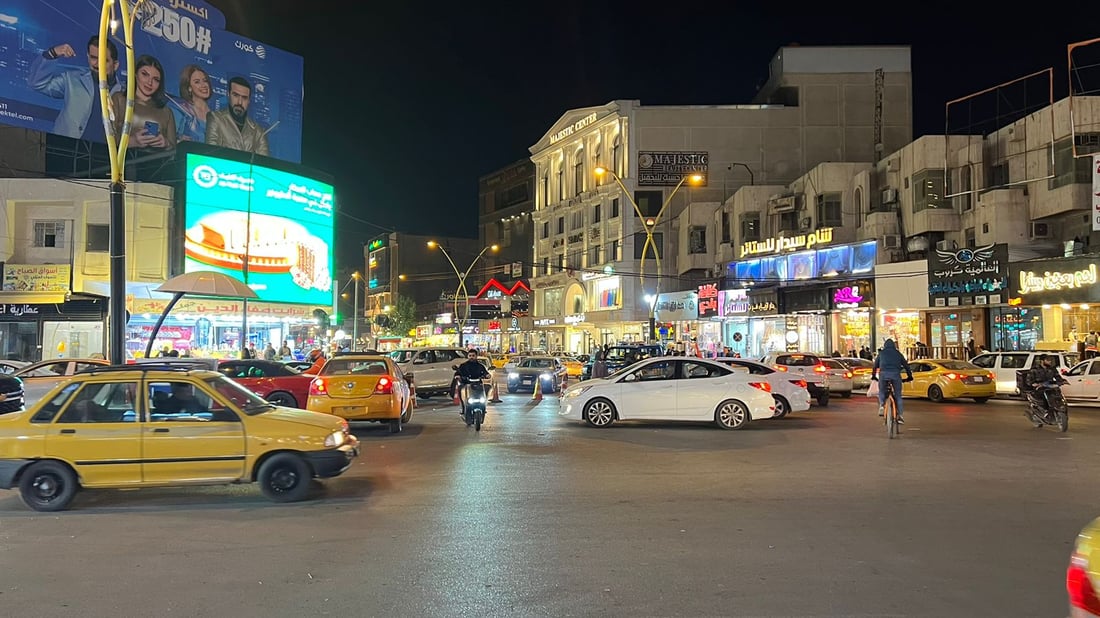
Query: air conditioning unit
[
  {"x": 783, "y": 204},
  {"x": 946, "y": 245},
  {"x": 889, "y": 196},
  {"x": 893, "y": 165},
  {"x": 891, "y": 241},
  {"x": 1040, "y": 230}
]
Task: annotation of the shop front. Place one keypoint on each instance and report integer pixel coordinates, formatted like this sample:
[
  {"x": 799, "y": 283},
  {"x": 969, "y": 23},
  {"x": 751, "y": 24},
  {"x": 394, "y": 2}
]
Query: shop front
[
  {"x": 1054, "y": 304},
  {"x": 676, "y": 314},
  {"x": 733, "y": 311},
  {"x": 805, "y": 319},
  {"x": 767, "y": 329},
  {"x": 962, "y": 286},
  {"x": 577, "y": 315},
  {"x": 68, "y": 329},
  {"x": 901, "y": 296},
  {"x": 850, "y": 324}
]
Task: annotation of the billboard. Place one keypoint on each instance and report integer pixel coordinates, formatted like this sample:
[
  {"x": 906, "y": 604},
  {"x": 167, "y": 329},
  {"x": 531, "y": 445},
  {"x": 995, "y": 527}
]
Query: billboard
[
  {"x": 195, "y": 80},
  {"x": 279, "y": 223},
  {"x": 968, "y": 276}
]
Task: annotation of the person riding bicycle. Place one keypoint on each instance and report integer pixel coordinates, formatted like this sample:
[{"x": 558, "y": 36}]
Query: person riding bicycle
[
  {"x": 1042, "y": 371},
  {"x": 888, "y": 367},
  {"x": 472, "y": 369}
]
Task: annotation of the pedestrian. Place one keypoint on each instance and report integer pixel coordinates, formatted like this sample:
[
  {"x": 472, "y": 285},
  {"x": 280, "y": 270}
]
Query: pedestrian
[{"x": 599, "y": 367}]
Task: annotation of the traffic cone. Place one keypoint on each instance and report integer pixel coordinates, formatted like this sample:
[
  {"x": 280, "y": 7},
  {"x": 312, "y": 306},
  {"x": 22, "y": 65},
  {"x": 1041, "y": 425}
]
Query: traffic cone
[
  {"x": 496, "y": 393},
  {"x": 537, "y": 395}
]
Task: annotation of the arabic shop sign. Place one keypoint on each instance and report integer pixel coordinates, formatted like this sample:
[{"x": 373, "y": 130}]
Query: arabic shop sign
[
  {"x": 708, "y": 300},
  {"x": 677, "y": 306},
  {"x": 969, "y": 276},
  {"x": 847, "y": 297},
  {"x": 781, "y": 243},
  {"x": 732, "y": 302},
  {"x": 1057, "y": 281}
]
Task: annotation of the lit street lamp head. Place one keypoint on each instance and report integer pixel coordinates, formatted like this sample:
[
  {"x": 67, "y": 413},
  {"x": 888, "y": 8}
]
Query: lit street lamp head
[
  {"x": 432, "y": 244},
  {"x": 695, "y": 179},
  {"x": 600, "y": 170},
  {"x": 494, "y": 248}
]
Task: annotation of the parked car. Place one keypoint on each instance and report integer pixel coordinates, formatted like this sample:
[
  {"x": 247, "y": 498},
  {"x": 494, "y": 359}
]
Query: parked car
[
  {"x": 1083, "y": 381},
  {"x": 671, "y": 389},
  {"x": 40, "y": 378},
  {"x": 11, "y": 366},
  {"x": 534, "y": 370},
  {"x": 431, "y": 367},
  {"x": 134, "y": 426},
  {"x": 940, "y": 379},
  {"x": 361, "y": 387},
  {"x": 790, "y": 394},
  {"x": 839, "y": 377},
  {"x": 1004, "y": 366},
  {"x": 272, "y": 380},
  {"x": 861, "y": 369},
  {"x": 573, "y": 367},
  {"x": 805, "y": 366}
]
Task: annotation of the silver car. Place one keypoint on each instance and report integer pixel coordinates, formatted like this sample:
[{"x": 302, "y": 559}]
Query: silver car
[{"x": 838, "y": 377}]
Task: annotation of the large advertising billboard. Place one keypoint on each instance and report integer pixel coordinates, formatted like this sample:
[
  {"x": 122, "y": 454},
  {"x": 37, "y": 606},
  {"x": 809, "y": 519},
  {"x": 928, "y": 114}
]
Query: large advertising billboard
[
  {"x": 194, "y": 80},
  {"x": 279, "y": 223}
]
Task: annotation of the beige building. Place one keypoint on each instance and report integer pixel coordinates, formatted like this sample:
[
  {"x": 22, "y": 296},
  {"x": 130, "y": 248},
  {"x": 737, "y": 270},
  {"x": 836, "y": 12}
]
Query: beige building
[{"x": 590, "y": 285}]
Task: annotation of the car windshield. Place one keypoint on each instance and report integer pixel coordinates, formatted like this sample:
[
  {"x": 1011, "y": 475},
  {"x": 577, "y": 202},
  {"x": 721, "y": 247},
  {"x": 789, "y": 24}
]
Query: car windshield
[
  {"x": 352, "y": 367},
  {"x": 958, "y": 365},
  {"x": 250, "y": 403},
  {"x": 538, "y": 363},
  {"x": 402, "y": 356}
]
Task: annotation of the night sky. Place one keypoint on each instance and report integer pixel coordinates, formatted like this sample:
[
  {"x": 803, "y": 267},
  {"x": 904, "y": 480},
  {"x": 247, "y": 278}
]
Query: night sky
[{"x": 408, "y": 103}]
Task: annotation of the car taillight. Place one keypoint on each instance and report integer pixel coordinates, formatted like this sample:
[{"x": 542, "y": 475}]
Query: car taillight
[
  {"x": 764, "y": 386},
  {"x": 384, "y": 386},
  {"x": 1078, "y": 585},
  {"x": 821, "y": 368},
  {"x": 799, "y": 383},
  {"x": 951, "y": 376},
  {"x": 781, "y": 368},
  {"x": 847, "y": 374},
  {"x": 318, "y": 387},
  {"x": 991, "y": 376}
]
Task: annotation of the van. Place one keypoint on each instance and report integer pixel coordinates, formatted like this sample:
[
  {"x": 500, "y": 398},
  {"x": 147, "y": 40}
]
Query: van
[{"x": 1004, "y": 366}]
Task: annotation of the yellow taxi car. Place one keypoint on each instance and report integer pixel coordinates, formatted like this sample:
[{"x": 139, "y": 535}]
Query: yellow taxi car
[
  {"x": 499, "y": 360},
  {"x": 940, "y": 379},
  {"x": 573, "y": 367},
  {"x": 150, "y": 425},
  {"x": 1083, "y": 573},
  {"x": 362, "y": 387}
]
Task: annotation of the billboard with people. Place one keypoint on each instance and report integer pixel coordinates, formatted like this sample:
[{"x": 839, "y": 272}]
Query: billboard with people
[{"x": 194, "y": 81}]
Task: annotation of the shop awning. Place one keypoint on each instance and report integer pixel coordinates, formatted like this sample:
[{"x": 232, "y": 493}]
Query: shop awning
[{"x": 31, "y": 298}]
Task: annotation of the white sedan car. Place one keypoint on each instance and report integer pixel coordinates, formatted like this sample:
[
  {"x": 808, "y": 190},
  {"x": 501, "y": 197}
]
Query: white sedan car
[
  {"x": 664, "y": 388},
  {"x": 790, "y": 393}
]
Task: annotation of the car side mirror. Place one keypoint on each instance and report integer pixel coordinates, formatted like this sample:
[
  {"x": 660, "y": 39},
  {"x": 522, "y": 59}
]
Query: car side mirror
[
  {"x": 630, "y": 377},
  {"x": 455, "y": 367}
]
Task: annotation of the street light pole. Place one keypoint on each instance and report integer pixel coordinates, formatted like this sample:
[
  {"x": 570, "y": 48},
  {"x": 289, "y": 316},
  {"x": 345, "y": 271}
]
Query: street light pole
[
  {"x": 355, "y": 313},
  {"x": 461, "y": 289},
  {"x": 648, "y": 224}
]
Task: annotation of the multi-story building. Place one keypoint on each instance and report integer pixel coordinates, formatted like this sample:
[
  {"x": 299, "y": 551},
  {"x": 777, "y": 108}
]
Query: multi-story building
[
  {"x": 506, "y": 202},
  {"x": 591, "y": 284}
]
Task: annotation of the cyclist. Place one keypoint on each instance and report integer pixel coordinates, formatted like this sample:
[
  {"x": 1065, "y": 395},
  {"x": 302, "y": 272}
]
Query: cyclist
[{"x": 889, "y": 365}]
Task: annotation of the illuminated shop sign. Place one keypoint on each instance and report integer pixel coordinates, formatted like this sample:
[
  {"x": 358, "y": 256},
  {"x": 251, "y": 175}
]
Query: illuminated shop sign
[
  {"x": 708, "y": 300},
  {"x": 968, "y": 276},
  {"x": 782, "y": 243},
  {"x": 732, "y": 302},
  {"x": 1051, "y": 281},
  {"x": 847, "y": 298}
]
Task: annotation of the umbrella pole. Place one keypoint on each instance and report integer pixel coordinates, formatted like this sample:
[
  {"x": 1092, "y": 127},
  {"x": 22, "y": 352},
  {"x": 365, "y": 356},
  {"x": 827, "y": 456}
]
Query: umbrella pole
[{"x": 160, "y": 322}]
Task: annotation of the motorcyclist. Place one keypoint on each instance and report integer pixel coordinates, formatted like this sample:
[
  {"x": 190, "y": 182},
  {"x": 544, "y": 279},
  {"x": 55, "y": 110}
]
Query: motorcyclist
[
  {"x": 472, "y": 369},
  {"x": 1042, "y": 372},
  {"x": 889, "y": 365}
]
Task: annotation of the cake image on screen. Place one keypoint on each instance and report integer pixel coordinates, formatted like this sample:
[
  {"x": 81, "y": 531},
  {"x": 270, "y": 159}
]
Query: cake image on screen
[{"x": 278, "y": 246}]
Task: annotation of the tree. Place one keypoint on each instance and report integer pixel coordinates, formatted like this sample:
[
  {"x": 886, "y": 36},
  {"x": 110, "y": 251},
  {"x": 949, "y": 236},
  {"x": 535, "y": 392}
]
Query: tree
[{"x": 402, "y": 316}]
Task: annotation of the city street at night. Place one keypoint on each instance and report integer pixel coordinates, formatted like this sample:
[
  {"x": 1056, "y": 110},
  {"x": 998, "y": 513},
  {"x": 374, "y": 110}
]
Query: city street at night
[{"x": 972, "y": 513}]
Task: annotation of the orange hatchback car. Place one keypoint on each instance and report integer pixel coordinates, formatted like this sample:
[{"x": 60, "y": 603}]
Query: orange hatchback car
[{"x": 362, "y": 387}]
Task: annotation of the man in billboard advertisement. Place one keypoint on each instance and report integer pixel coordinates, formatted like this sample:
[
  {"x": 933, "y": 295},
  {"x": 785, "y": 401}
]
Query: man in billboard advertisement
[
  {"x": 46, "y": 83},
  {"x": 269, "y": 227}
]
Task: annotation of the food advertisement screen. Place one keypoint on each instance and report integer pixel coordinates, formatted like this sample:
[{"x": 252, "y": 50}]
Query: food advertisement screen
[{"x": 282, "y": 222}]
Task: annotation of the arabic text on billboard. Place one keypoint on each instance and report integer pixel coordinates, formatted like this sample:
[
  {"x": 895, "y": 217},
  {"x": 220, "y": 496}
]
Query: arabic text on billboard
[
  {"x": 281, "y": 221},
  {"x": 667, "y": 169},
  {"x": 194, "y": 80}
]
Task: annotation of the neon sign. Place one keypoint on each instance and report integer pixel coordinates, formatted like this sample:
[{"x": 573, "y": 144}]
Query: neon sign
[
  {"x": 847, "y": 298},
  {"x": 1054, "y": 281},
  {"x": 782, "y": 243}
]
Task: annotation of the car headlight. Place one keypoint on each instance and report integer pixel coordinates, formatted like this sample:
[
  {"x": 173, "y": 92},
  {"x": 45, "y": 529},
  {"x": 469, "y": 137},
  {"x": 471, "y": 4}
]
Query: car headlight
[
  {"x": 576, "y": 392},
  {"x": 546, "y": 376},
  {"x": 335, "y": 439},
  {"x": 513, "y": 376}
]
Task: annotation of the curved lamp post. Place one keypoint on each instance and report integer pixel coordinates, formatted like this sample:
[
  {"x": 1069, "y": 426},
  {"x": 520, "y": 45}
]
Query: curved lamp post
[
  {"x": 461, "y": 289},
  {"x": 201, "y": 283},
  {"x": 648, "y": 224}
]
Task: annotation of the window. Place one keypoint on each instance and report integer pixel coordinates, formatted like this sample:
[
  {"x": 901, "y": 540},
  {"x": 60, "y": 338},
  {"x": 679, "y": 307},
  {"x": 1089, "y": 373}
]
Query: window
[
  {"x": 98, "y": 238},
  {"x": 829, "y": 213},
  {"x": 927, "y": 190},
  {"x": 969, "y": 238},
  {"x": 614, "y": 208},
  {"x": 788, "y": 221},
  {"x": 546, "y": 266},
  {"x": 1067, "y": 169},
  {"x": 639, "y": 244},
  {"x": 725, "y": 227},
  {"x": 546, "y": 229},
  {"x": 561, "y": 262},
  {"x": 695, "y": 369},
  {"x": 750, "y": 226},
  {"x": 544, "y": 189},
  {"x": 561, "y": 183},
  {"x": 595, "y": 255},
  {"x": 649, "y": 202},
  {"x": 858, "y": 198},
  {"x": 578, "y": 173},
  {"x": 173, "y": 402},
  {"x": 596, "y": 213},
  {"x": 660, "y": 370},
  {"x": 965, "y": 200},
  {"x": 561, "y": 225},
  {"x": 617, "y": 250},
  {"x": 998, "y": 175},
  {"x": 49, "y": 233},
  {"x": 577, "y": 221},
  {"x": 985, "y": 228},
  {"x": 697, "y": 239},
  {"x": 617, "y": 155},
  {"x": 105, "y": 402}
]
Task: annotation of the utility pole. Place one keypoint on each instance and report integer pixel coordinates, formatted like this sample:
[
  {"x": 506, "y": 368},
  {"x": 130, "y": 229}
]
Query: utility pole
[{"x": 355, "y": 313}]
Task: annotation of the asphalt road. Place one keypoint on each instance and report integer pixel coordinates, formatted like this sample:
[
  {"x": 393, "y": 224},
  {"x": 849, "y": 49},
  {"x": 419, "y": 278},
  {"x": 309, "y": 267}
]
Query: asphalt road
[{"x": 971, "y": 513}]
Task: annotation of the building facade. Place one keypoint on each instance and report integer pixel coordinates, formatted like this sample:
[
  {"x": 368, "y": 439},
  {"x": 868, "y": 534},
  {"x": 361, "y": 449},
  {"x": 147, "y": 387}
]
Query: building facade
[
  {"x": 506, "y": 203},
  {"x": 591, "y": 283}
]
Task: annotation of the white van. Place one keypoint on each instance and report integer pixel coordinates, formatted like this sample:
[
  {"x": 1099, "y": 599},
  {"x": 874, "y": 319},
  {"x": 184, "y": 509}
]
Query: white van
[
  {"x": 431, "y": 368},
  {"x": 1004, "y": 366}
]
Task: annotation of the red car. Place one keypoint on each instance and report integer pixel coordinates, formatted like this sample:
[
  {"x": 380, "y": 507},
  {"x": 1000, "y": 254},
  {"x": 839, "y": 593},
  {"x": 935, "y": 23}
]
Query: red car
[{"x": 274, "y": 381}]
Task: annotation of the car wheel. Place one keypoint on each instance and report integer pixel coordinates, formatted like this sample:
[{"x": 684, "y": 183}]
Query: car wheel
[
  {"x": 731, "y": 414},
  {"x": 846, "y": 394},
  {"x": 424, "y": 395},
  {"x": 395, "y": 425},
  {"x": 512, "y": 389},
  {"x": 284, "y": 399},
  {"x": 599, "y": 413},
  {"x": 48, "y": 486},
  {"x": 823, "y": 400},
  {"x": 285, "y": 477},
  {"x": 935, "y": 393},
  {"x": 781, "y": 407},
  {"x": 981, "y": 399}
]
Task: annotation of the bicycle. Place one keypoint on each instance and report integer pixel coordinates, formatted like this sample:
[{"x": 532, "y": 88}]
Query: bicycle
[{"x": 890, "y": 410}]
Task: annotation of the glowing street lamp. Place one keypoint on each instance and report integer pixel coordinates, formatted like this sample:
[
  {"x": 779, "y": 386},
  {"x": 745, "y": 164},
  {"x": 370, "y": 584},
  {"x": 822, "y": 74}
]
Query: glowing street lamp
[{"x": 461, "y": 291}]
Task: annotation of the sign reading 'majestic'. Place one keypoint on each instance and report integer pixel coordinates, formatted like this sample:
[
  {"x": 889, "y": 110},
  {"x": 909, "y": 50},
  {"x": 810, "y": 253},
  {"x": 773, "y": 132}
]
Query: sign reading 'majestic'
[{"x": 270, "y": 228}]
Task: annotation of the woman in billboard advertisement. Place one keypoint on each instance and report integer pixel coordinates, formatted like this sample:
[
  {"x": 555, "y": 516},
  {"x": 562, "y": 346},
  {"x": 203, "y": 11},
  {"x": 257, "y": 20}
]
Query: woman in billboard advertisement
[
  {"x": 153, "y": 125},
  {"x": 192, "y": 105}
]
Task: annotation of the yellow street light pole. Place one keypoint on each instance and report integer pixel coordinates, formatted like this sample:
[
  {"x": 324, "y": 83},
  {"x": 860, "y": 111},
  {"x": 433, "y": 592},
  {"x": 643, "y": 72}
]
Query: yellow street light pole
[
  {"x": 116, "y": 151},
  {"x": 649, "y": 224},
  {"x": 461, "y": 289}
]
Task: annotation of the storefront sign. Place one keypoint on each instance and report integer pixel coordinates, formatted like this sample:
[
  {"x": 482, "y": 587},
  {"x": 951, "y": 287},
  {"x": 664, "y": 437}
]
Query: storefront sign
[
  {"x": 80, "y": 310},
  {"x": 1047, "y": 281},
  {"x": 853, "y": 295},
  {"x": 18, "y": 310},
  {"x": 805, "y": 299},
  {"x": 958, "y": 277},
  {"x": 574, "y": 319},
  {"x": 782, "y": 243},
  {"x": 1096, "y": 192},
  {"x": 669, "y": 168},
  {"x": 1064, "y": 280},
  {"x": 763, "y": 302},
  {"x": 498, "y": 290},
  {"x": 732, "y": 302},
  {"x": 494, "y": 326},
  {"x": 677, "y": 306},
  {"x": 155, "y": 306},
  {"x": 37, "y": 277},
  {"x": 546, "y": 321},
  {"x": 573, "y": 128},
  {"x": 708, "y": 300}
]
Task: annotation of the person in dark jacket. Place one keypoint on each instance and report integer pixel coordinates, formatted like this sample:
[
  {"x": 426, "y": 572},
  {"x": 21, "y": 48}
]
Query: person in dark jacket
[
  {"x": 1042, "y": 372},
  {"x": 888, "y": 367}
]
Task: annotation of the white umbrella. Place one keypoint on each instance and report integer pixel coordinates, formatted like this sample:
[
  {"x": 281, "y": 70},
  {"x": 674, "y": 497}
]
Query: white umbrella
[{"x": 199, "y": 283}]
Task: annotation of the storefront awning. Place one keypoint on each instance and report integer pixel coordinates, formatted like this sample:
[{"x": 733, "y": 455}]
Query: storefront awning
[{"x": 31, "y": 298}]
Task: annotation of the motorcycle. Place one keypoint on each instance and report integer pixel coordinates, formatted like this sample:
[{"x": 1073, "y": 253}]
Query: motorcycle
[
  {"x": 473, "y": 396},
  {"x": 1045, "y": 403}
]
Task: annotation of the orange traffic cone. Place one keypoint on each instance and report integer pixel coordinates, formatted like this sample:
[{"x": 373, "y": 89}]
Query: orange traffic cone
[
  {"x": 537, "y": 395},
  {"x": 495, "y": 393}
]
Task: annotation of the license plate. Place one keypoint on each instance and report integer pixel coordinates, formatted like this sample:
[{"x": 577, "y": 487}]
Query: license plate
[
  {"x": 978, "y": 380},
  {"x": 340, "y": 410}
]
